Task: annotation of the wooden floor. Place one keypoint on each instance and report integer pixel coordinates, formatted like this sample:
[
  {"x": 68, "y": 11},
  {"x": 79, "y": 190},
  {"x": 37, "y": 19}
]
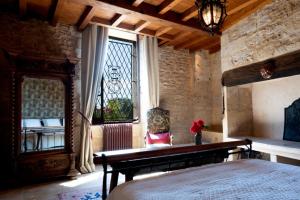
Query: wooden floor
[{"x": 50, "y": 190}]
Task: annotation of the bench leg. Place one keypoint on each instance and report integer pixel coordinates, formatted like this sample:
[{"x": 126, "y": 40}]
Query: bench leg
[
  {"x": 273, "y": 158},
  {"x": 114, "y": 180}
]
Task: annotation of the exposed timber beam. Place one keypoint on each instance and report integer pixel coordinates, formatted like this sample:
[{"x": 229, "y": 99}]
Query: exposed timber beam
[
  {"x": 189, "y": 13},
  {"x": 146, "y": 12},
  {"x": 137, "y": 2},
  {"x": 167, "y": 5},
  {"x": 22, "y": 7},
  {"x": 117, "y": 19},
  {"x": 283, "y": 66},
  {"x": 129, "y": 28},
  {"x": 57, "y": 12},
  {"x": 241, "y": 6},
  {"x": 162, "y": 31},
  {"x": 162, "y": 42},
  {"x": 86, "y": 17},
  {"x": 215, "y": 48},
  {"x": 141, "y": 25}
]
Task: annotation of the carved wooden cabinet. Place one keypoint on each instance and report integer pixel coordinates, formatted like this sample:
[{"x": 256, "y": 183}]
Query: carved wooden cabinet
[{"x": 31, "y": 152}]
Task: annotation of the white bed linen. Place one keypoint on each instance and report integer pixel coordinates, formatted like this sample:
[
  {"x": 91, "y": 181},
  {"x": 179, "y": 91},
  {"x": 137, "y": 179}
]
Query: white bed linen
[{"x": 243, "y": 179}]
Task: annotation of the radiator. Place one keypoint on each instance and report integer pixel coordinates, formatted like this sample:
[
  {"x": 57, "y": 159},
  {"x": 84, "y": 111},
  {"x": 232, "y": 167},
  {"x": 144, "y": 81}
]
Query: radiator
[{"x": 117, "y": 136}]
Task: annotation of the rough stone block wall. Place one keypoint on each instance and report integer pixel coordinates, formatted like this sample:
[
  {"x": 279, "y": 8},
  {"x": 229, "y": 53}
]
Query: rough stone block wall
[
  {"x": 271, "y": 31},
  {"x": 176, "y": 85},
  {"x": 187, "y": 89},
  {"x": 37, "y": 38},
  {"x": 216, "y": 91}
]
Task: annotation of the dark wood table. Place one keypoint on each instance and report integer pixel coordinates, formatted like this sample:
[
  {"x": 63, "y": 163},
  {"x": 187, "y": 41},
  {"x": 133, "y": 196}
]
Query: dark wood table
[{"x": 132, "y": 162}]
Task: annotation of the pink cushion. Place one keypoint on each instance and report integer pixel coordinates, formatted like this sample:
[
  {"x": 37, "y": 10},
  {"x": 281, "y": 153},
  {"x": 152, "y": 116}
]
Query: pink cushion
[{"x": 158, "y": 138}]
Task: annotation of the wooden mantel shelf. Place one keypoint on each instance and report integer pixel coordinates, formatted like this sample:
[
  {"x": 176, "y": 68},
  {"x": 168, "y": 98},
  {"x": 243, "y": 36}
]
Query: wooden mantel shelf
[{"x": 273, "y": 147}]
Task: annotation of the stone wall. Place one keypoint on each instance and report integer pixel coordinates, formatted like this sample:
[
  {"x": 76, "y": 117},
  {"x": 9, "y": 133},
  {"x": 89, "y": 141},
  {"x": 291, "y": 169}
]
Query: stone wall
[
  {"x": 271, "y": 31},
  {"x": 37, "y": 38},
  {"x": 190, "y": 87},
  {"x": 176, "y": 90}
]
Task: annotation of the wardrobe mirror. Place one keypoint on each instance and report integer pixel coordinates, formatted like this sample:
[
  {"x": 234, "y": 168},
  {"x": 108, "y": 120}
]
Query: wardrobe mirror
[{"x": 43, "y": 114}]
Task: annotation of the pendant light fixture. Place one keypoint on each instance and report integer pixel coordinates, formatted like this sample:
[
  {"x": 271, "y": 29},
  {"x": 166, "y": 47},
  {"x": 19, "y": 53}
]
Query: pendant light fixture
[{"x": 211, "y": 14}]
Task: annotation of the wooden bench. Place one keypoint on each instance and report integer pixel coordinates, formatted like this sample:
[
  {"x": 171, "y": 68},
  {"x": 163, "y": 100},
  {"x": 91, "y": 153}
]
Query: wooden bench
[
  {"x": 140, "y": 161},
  {"x": 274, "y": 147}
]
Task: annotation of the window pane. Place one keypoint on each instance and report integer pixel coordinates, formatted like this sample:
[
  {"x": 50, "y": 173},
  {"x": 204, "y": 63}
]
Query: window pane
[{"x": 114, "y": 102}]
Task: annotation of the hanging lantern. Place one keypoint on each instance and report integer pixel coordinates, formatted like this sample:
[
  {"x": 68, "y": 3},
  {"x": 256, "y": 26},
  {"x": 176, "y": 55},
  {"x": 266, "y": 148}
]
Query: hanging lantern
[{"x": 211, "y": 14}]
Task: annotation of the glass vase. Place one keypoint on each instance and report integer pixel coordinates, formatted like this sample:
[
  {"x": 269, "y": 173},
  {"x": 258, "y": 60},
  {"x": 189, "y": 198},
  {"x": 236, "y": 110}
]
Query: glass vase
[{"x": 198, "y": 138}]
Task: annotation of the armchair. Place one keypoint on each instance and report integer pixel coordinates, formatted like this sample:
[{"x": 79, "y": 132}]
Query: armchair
[{"x": 158, "y": 129}]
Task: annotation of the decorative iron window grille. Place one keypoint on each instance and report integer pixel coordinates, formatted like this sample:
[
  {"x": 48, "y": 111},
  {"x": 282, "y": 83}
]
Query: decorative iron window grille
[{"x": 117, "y": 99}]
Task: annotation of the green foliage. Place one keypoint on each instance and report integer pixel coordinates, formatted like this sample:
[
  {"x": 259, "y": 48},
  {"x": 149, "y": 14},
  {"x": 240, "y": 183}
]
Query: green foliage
[{"x": 119, "y": 109}]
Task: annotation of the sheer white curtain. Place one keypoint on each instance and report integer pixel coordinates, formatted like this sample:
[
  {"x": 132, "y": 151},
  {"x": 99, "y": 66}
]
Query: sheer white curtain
[
  {"x": 93, "y": 56},
  {"x": 151, "y": 61},
  {"x": 149, "y": 76}
]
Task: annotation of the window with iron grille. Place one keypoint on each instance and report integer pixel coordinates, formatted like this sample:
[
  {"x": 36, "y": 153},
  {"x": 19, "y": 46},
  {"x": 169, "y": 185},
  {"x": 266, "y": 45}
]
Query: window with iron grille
[{"x": 117, "y": 100}]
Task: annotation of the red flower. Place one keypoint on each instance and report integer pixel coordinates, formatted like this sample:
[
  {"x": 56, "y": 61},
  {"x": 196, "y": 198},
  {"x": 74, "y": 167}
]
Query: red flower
[{"x": 197, "y": 126}]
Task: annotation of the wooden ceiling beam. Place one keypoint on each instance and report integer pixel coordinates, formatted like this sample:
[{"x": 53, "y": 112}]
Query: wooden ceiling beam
[
  {"x": 129, "y": 28},
  {"x": 215, "y": 48},
  {"x": 189, "y": 13},
  {"x": 86, "y": 17},
  {"x": 162, "y": 31},
  {"x": 22, "y": 7},
  {"x": 117, "y": 19},
  {"x": 57, "y": 12},
  {"x": 241, "y": 6},
  {"x": 241, "y": 14},
  {"x": 147, "y": 12},
  {"x": 136, "y": 3},
  {"x": 167, "y": 5},
  {"x": 141, "y": 25},
  {"x": 162, "y": 42}
]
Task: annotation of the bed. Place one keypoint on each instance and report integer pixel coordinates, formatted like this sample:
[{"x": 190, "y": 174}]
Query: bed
[{"x": 242, "y": 179}]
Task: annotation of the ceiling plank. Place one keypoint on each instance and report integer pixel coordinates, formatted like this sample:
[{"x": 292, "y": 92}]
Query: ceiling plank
[
  {"x": 57, "y": 12},
  {"x": 185, "y": 42},
  {"x": 245, "y": 12},
  {"x": 190, "y": 42},
  {"x": 241, "y": 6},
  {"x": 167, "y": 5},
  {"x": 136, "y": 3},
  {"x": 22, "y": 7},
  {"x": 141, "y": 25},
  {"x": 178, "y": 37},
  {"x": 146, "y": 12},
  {"x": 189, "y": 13},
  {"x": 117, "y": 19},
  {"x": 162, "y": 31},
  {"x": 86, "y": 17},
  {"x": 205, "y": 44}
]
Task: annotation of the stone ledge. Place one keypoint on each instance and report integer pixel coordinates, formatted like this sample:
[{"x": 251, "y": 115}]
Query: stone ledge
[{"x": 274, "y": 147}]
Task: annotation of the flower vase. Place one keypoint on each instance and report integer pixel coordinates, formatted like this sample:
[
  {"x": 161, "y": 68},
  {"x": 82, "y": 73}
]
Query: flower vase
[{"x": 198, "y": 138}]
